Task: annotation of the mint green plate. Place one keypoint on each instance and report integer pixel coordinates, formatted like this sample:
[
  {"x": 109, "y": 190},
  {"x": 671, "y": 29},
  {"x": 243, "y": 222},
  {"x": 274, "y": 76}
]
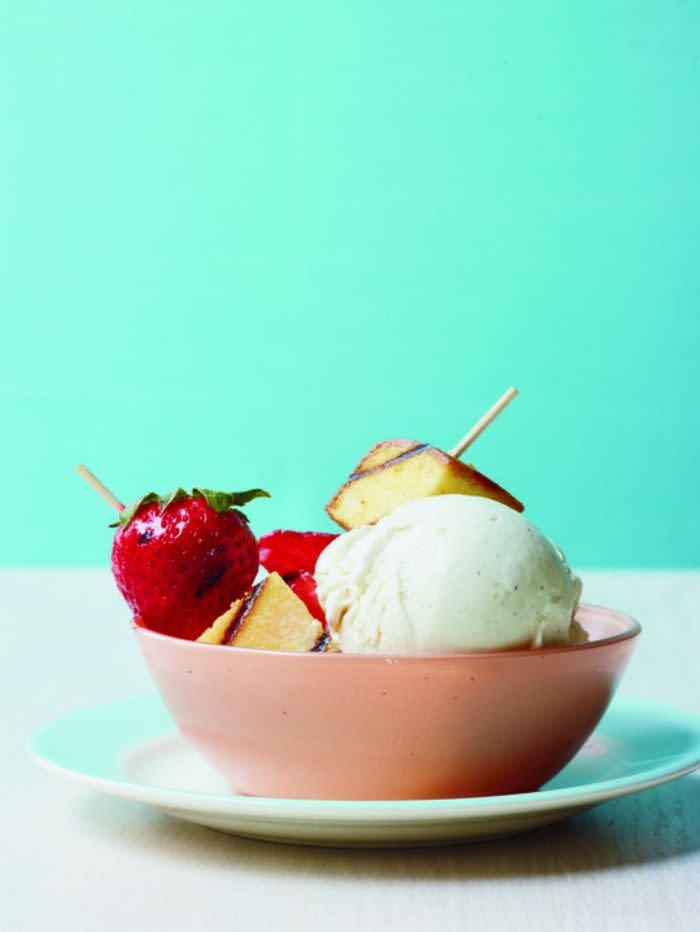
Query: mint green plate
[{"x": 131, "y": 749}]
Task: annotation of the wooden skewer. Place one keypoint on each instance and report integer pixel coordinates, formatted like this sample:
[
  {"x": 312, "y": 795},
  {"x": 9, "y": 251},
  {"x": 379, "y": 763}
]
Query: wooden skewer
[
  {"x": 457, "y": 451},
  {"x": 484, "y": 422},
  {"x": 100, "y": 488}
]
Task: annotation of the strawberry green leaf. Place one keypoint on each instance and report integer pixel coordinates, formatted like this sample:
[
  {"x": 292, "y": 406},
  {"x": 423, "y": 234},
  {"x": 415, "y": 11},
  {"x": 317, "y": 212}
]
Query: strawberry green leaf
[
  {"x": 226, "y": 501},
  {"x": 130, "y": 510},
  {"x": 167, "y": 500},
  {"x": 217, "y": 501}
]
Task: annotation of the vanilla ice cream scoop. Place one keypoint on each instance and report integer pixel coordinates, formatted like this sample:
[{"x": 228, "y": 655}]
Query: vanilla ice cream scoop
[{"x": 447, "y": 573}]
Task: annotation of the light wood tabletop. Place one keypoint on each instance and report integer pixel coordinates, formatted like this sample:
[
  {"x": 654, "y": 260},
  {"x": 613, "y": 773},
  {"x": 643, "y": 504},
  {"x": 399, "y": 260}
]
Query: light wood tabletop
[{"x": 71, "y": 859}]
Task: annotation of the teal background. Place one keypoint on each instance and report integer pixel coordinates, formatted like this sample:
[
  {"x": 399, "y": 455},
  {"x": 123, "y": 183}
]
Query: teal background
[{"x": 240, "y": 243}]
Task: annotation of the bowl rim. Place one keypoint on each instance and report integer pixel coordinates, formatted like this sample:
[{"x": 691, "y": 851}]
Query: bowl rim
[{"x": 631, "y": 631}]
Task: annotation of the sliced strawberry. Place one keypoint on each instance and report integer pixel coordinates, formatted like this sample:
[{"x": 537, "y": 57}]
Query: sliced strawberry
[
  {"x": 289, "y": 552},
  {"x": 304, "y": 586}
]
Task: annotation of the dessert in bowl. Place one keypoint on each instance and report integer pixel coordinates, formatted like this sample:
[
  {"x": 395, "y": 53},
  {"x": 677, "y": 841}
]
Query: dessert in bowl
[
  {"x": 391, "y": 726},
  {"x": 435, "y": 648}
]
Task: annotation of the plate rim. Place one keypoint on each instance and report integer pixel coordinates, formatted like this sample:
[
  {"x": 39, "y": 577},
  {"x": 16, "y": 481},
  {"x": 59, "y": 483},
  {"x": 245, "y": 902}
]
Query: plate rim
[{"x": 266, "y": 808}]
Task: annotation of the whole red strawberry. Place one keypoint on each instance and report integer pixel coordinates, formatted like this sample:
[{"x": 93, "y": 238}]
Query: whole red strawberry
[{"x": 179, "y": 561}]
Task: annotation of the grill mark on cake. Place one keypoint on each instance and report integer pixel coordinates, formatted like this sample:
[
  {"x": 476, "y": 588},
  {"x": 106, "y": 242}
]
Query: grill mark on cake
[
  {"x": 395, "y": 459},
  {"x": 321, "y": 645},
  {"x": 241, "y": 614},
  {"x": 493, "y": 486},
  {"x": 232, "y": 628}
]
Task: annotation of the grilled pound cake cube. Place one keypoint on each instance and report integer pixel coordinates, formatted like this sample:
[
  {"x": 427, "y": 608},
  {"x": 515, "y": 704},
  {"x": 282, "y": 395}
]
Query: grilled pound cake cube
[
  {"x": 412, "y": 470},
  {"x": 269, "y": 617}
]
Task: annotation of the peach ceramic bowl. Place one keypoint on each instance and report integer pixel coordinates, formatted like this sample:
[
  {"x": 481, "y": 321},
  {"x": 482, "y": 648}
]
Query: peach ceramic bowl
[{"x": 370, "y": 726}]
